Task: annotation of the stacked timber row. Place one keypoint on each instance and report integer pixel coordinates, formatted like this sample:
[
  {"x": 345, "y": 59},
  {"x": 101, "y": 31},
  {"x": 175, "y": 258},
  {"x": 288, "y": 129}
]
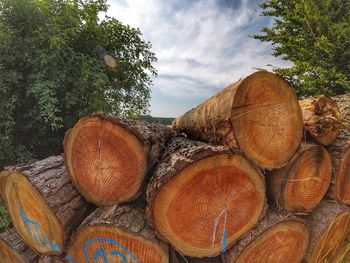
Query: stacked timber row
[{"x": 172, "y": 199}]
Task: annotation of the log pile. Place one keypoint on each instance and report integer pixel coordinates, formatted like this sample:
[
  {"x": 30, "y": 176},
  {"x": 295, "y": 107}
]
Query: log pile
[{"x": 250, "y": 175}]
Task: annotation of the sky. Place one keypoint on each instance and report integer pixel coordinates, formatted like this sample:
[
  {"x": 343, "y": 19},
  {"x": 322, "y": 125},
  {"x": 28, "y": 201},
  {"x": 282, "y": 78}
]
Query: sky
[{"x": 202, "y": 46}]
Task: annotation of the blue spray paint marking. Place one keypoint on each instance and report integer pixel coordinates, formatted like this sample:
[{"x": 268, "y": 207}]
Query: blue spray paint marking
[
  {"x": 224, "y": 240},
  {"x": 101, "y": 251},
  {"x": 39, "y": 235},
  {"x": 70, "y": 259}
]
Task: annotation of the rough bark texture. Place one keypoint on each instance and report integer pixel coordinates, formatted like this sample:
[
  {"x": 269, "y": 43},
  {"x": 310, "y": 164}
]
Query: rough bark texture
[
  {"x": 322, "y": 118},
  {"x": 15, "y": 242},
  {"x": 323, "y": 226},
  {"x": 338, "y": 149},
  {"x": 152, "y": 138},
  {"x": 52, "y": 259},
  {"x": 263, "y": 106},
  {"x": 129, "y": 218},
  {"x": 300, "y": 185},
  {"x": 49, "y": 177},
  {"x": 183, "y": 155},
  {"x": 270, "y": 220},
  {"x": 175, "y": 257}
]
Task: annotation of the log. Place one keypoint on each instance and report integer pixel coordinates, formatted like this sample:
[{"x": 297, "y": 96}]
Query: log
[
  {"x": 53, "y": 259},
  {"x": 259, "y": 114},
  {"x": 176, "y": 257},
  {"x": 342, "y": 255},
  {"x": 14, "y": 250},
  {"x": 329, "y": 225},
  {"x": 340, "y": 152},
  {"x": 300, "y": 185},
  {"x": 43, "y": 204},
  {"x": 277, "y": 238},
  {"x": 322, "y": 119},
  {"x": 202, "y": 198},
  {"x": 104, "y": 153},
  {"x": 114, "y": 233}
]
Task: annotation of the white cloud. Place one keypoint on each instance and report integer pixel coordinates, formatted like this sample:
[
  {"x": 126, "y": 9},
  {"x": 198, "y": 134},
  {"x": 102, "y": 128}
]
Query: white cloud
[{"x": 201, "y": 46}]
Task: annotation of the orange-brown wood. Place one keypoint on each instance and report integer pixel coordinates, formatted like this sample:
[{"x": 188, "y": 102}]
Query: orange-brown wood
[
  {"x": 302, "y": 183},
  {"x": 342, "y": 255},
  {"x": 340, "y": 152},
  {"x": 322, "y": 119},
  {"x": 44, "y": 206},
  {"x": 329, "y": 226},
  {"x": 278, "y": 238},
  {"x": 259, "y": 114},
  {"x": 203, "y": 198},
  {"x": 117, "y": 234},
  {"x": 104, "y": 153},
  {"x": 14, "y": 250}
]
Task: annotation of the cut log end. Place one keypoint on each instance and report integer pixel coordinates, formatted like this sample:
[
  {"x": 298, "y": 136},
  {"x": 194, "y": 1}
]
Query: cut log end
[
  {"x": 96, "y": 151},
  {"x": 208, "y": 205},
  {"x": 35, "y": 221},
  {"x": 8, "y": 254},
  {"x": 329, "y": 226},
  {"x": 301, "y": 185},
  {"x": 341, "y": 190},
  {"x": 99, "y": 242},
  {"x": 284, "y": 242},
  {"x": 322, "y": 118},
  {"x": 267, "y": 119}
]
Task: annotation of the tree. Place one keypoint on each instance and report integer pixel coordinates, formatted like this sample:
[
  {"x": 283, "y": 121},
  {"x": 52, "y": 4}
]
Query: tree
[
  {"x": 315, "y": 36},
  {"x": 52, "y": 72}
]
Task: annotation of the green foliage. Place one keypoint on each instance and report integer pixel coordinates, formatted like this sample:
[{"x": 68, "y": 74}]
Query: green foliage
[
  {"x": 315, "y": 36},
  {"x": 53, "y": 73},
  {"x": 161, "y": 120},
  {"x": 4, "y": 217}
]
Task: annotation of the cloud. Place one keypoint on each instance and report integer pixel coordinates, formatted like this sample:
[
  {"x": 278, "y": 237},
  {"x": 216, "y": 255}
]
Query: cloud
[{"x": 202, "y": 46}]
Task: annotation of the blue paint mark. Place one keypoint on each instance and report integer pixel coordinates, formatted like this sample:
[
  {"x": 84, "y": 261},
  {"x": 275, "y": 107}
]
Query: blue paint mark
[
  {"x": 70, "y": 259},
  {"x": 39, "y": 233},
  {"x": 224, "y": 240},
  {"x": 101, "y": 251}
]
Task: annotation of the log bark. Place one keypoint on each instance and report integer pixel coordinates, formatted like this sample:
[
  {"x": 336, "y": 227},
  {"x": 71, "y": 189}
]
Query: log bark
[
  {"x": 202, "y": 198},
  {"x": 329, "y": 226},
  {"x": 105, "y": 152},
  {"x": 176, "y": 257},
  {"x": 322, "y": 119},
  {"x": 53, "y": 259},
  {"x": 259, "y": 114},
  {"x": 340, "y": 152},
  {"x": 43, "y": 204},
  {"x": 300, "y": 185},
  {"x": 277, "y": 238},
  {"x": 118, "y": 232},
  {"x": 14, "y": 250}
]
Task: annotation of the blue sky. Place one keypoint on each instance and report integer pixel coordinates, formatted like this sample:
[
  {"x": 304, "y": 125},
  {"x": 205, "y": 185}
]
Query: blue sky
[{"x": 201, "y": 46}]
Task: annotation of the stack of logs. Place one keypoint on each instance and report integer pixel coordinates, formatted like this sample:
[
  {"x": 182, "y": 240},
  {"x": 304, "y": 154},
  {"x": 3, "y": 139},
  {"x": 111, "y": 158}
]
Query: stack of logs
[{"x": 250, "y": 175}]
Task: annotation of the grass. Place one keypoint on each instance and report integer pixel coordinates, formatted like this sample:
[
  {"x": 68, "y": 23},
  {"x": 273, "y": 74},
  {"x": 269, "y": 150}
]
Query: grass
[{"x": 4, "y": 217}]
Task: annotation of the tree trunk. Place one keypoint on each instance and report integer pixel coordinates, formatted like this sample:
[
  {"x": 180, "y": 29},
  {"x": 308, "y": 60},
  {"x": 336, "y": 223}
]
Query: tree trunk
[
  {"x": 340, "y": 152},
  {"x": 342, "y": 255},
  {"x": 117, "y": 232},
  {"x": 277, "y": 238},
  {"x": 301, "y": 185},
  {"x": 43, "y": 204},
  {"x": 202, "y": 198},
  {"x": 259, "y": 114},
  {"x": 329, "y": 226},
  {"x": 105, "y": 152},
  {"x": 14, "y": 250},
  {"x": 322, "y": 119}
]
